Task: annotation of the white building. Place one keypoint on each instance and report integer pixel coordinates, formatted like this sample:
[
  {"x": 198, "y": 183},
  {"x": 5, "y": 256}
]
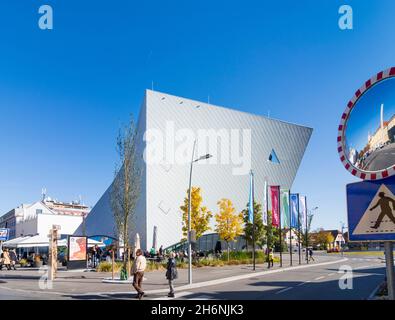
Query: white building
[
  {"x": 39, "y": 217},
  {"x": 238, "y": 141}
]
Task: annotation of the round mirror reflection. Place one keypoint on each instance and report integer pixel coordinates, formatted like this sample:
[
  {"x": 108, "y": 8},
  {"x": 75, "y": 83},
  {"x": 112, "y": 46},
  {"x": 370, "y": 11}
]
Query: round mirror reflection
[{"x": 370, "y": 128}]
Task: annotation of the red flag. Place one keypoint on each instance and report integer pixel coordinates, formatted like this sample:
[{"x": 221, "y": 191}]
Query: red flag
[{"x": 275, "y": 197}]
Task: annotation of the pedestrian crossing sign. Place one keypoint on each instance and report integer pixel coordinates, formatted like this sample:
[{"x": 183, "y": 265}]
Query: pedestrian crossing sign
[{"x": 371, "y": 210}]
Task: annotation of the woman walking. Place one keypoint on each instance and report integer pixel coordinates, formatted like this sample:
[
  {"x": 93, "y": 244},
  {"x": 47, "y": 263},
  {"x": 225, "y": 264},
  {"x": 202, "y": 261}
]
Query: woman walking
[
  {"x": 171, "y": 273},
  {"x": 6, "y": 259}
]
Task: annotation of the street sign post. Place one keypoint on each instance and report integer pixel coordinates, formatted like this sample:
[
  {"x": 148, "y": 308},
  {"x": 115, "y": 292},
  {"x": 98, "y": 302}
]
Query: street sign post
[{"x": 366, "y": 146}]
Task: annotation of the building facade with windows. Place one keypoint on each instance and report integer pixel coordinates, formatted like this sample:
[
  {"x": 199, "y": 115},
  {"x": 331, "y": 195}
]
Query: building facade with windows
[
  {"x": 39, "y": 217},
  {"x": 168, "y": 128}
]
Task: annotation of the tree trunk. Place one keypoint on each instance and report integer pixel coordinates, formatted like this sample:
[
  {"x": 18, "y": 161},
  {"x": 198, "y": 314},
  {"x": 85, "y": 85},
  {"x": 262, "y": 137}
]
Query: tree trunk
[{"x": 227, "y": 244}]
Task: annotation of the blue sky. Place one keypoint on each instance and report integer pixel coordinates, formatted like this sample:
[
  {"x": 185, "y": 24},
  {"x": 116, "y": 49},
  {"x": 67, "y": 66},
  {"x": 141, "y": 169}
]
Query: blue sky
[
  {"x": 365, "y": 117},
  {"x": 64, "y": 92}
]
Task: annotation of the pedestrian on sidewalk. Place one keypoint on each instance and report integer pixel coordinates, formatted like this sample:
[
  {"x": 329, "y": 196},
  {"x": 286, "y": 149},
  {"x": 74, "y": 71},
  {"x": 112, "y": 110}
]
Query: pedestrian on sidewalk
[
  {"x": 138, "y": 269},
  {"x": 13, "y": 259},
  {"x": 270, "y": 259},
  {"x": 171, "y": 273},
  {"x": 6, "y": 259},
  {"x": 311, "y": 255}
]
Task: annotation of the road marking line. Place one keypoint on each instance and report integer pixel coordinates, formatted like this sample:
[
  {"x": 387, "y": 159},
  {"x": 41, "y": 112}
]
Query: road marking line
[
  {"x": 283, "y": 290},
  {"x": 177, "y": 295},
  {"x": 319, "y": 278},
  {"x": 330, "y": 275}
]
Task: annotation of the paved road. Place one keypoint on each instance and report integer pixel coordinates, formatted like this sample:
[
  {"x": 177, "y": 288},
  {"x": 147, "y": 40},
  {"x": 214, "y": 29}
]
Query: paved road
[
  {"x": 381, "y": 158},
  {"x": 315, "y": 283},
  {"x": 310, "y": 282}
]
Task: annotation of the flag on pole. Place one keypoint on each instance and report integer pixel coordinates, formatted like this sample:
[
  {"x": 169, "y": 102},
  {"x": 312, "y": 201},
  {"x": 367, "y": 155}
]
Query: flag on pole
[
  {"x": 275, "y": 194},
  {"x": 303, "y": 210},
  {"x": 294, "y": 199},
  {"x": 251, "y": 199},
  {"x": 284, "y": 208},
  {"x": 264, "y": 206}
]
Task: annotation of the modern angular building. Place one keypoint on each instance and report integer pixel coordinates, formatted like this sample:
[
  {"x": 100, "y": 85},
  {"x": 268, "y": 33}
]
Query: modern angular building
[{"x": 238, "y": 142}]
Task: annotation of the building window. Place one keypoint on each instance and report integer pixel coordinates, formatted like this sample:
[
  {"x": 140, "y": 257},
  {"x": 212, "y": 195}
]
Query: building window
[
  {"x": 273, "y": 157},
  {"x": 39, "y": 211}
]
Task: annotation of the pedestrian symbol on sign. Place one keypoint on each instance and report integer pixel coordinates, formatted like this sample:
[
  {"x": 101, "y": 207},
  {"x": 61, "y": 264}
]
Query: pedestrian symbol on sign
[
  {"x": 378, "y": 217},
  {"x": 384, "y": 203}
]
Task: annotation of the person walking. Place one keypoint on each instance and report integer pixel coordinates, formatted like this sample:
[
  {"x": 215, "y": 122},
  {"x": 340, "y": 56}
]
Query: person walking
[
  {"x": 98, "y": 254},
  {"x": 311, "y": 255},
  {"x": 138, "y": 269},
  {"x": 13, "y": 259},
  {"x": 6, "y": 259},
  {"x": 171, "y": 273},
  {"x": 270, "y": 259}
]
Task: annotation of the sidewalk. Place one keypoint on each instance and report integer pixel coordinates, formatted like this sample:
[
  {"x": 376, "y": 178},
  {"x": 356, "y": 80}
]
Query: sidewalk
[{"x": 70, "y": 283}]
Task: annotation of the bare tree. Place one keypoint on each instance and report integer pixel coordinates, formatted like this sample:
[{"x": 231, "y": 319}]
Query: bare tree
[{"x": 125, "y": 189}]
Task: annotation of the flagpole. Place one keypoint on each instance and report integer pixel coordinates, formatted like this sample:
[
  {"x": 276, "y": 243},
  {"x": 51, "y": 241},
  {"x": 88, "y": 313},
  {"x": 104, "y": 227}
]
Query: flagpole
[
  {"x": 300, "y": 261},
  {"x": 279, "y": 225},
  {"x": 306, "y": 237},
  {"x": 253, "y": 223},
  {"x": 290, "y": 226}
]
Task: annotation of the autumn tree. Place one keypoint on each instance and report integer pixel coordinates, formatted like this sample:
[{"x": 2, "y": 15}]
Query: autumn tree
[
  {"x": 200, "y": 215},
  {"x": 229, "y": 224},
  {"x": 259, "y": 226},
  {"x": 324, "y": 239}
]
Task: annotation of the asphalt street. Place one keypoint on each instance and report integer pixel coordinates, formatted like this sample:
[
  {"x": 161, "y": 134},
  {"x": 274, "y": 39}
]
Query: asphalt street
[
  {"x": 314, "y": 283},
  {"x": 381, "y": 158}
]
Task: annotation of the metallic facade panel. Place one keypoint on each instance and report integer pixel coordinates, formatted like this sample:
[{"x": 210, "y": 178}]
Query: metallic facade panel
[{"x": 166, "y": 183}]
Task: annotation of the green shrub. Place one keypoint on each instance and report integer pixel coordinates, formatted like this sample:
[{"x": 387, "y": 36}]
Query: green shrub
[
  {"x": 105, "y": 266},
  {"x": 23, "y": 262}
]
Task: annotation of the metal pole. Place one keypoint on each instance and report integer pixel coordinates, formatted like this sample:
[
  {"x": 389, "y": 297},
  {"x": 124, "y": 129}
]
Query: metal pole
[
  {"x": 253, "y": 224},
  {"x": 279, "y": 225},
  {"x": 341, "y": 243},
  {"x": 389, "y": 261},
  {"x": 189, "y": 218},
  {"x": 290, "y": 227},
  {"x": 305, "y": 235},
  {"x": 300, "y": 259}
]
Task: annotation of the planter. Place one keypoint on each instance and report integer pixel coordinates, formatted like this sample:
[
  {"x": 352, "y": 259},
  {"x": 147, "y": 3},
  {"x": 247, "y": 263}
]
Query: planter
[{"x": 38, "y": 264}]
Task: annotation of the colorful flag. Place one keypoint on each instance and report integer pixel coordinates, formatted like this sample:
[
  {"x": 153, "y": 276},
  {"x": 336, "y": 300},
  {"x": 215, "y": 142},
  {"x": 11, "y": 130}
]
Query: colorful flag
[
  {"x": 251, "y": 199},
  {"x": 284, "y": 208},
  {"x": 303, "y": 211},
  {"x": 264, "y": 205},
  {"x": 294, "y": 199},
  {"x": 275, "y": 195}
]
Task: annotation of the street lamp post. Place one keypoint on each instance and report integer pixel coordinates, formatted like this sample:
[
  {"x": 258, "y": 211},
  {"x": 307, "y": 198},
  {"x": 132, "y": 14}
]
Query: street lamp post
[{"x": 189, "y": 210}]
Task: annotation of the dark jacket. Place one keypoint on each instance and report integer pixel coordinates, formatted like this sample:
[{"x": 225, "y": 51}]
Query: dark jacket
[
  {"x": 171, "y": 272},
  {"x": 13, "y": 256}
]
